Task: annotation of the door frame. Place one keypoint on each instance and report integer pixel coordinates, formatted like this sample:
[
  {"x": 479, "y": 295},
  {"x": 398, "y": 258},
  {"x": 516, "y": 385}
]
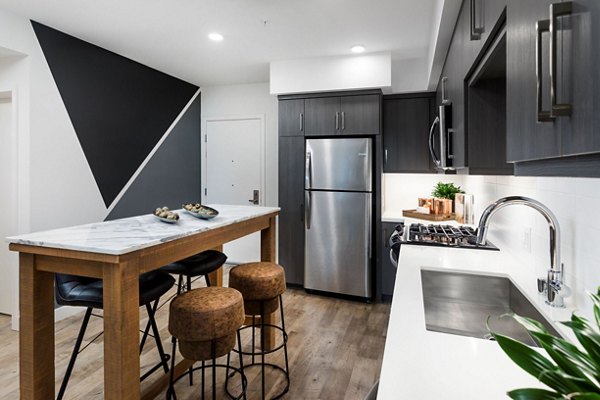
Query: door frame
[
  {"x": 18, "y": 187},
  {"x": 262, "y": 150}
]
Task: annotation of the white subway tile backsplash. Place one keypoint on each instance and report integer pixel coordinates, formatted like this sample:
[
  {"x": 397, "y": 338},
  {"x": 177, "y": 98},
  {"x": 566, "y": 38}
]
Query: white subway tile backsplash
[{"x": 573, "y": 200}]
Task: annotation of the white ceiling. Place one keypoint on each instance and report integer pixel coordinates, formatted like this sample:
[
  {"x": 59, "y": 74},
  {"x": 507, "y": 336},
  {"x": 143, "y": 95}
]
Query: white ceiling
[{"x": 171, "y": 35}]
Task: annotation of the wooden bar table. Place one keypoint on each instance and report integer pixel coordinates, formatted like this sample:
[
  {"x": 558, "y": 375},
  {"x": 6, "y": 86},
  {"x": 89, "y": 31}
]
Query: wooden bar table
[{"x": 118, "y": 252}]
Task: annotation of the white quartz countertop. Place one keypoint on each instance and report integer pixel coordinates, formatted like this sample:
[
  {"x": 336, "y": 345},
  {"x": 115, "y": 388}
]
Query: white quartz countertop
[
  {"x": 125, "y": 235},
  {"x": 420, "y": 364}
]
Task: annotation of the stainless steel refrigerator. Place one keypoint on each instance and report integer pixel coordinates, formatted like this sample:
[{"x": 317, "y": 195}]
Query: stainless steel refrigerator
[{"x": 338, "y": 220}]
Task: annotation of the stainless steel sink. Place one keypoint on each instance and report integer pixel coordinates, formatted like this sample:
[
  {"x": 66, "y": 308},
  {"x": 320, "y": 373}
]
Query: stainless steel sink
[{"x": 460, "y": 304}]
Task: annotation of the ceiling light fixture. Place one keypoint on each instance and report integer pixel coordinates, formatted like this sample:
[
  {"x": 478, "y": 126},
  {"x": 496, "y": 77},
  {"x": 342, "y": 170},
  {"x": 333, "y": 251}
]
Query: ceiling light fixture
[
  {"x": 215, "y": 37},
  {"x": 358, "y": 48}
]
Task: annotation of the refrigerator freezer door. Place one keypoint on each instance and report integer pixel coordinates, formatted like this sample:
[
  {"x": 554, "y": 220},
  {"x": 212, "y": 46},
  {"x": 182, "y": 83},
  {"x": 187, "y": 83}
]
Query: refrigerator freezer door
[
  {"x": 337, "y": 246},
  {"x": 339, "y": 164}
]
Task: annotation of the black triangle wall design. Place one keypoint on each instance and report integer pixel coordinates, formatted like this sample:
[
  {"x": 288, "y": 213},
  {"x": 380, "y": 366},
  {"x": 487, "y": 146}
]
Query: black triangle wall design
[
  {"x": 119, "y": 108},
  {"x": 172, "y": 176}
]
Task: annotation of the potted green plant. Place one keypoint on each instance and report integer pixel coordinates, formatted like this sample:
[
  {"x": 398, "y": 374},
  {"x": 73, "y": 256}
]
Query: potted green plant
[
  {"x": 446, "y": 190},
  {"x": 569, "y": 370}
]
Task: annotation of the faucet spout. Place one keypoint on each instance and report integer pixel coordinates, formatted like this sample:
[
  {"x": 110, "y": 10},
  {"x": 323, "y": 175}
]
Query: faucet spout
[{"x": 555, "y": 280}]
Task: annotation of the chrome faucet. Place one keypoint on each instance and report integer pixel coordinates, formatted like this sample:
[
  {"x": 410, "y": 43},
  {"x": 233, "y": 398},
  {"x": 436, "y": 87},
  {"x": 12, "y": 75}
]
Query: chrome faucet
[{"x": 553, "y": 285}]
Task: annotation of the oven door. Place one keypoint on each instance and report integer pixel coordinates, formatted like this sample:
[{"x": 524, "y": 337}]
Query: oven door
[{"x": 394, "y": 241}]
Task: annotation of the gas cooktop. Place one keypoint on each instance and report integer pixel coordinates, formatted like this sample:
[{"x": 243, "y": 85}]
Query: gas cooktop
[{"x": 441, "y": 235}]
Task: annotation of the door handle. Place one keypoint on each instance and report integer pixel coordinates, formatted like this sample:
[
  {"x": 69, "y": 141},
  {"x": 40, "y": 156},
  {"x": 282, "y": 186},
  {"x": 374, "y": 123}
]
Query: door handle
[
  {"x": 434, "y": 156},
  {"x": 541, "y": 26},
  {"x": 255, "y": 197},
  {"x": 556, "y": 10}
]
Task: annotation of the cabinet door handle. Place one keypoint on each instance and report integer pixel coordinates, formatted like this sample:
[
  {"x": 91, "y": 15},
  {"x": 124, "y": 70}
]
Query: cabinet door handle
[
  {"x": 556, "y": 10},
  {"x": 301, "y": 122},
  {"x": 541, "y": 26},
  {"x": 337, "y": 121},
  {"x": 476, "y": 31},
  {"x": 385, "y": 156},
  {"x": 343, "y": 120}
]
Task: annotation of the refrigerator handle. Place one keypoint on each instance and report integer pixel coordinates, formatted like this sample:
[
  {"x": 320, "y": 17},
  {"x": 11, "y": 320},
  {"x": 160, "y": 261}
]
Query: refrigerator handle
[
  {"x": 308, "y": 171},
  {"x": 307, "y": 208},
  {"x": 369, "y": 226}
]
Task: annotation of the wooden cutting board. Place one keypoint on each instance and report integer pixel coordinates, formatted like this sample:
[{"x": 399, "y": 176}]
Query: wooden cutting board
[{"x": 428, "y": 217}]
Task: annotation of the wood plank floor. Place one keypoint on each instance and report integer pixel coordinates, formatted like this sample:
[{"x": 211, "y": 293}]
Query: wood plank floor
[{"x": 335, "y": 352}]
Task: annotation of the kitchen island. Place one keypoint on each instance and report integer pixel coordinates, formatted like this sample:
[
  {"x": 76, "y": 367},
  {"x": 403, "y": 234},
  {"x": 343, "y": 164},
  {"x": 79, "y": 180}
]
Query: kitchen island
[
  {"x": 118, "y": 252},
  {"x": 422, "y": 364}
]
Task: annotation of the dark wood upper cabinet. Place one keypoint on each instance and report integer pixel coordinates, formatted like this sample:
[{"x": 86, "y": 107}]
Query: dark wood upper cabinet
[
  {"x": 527, "y": 138},
  {"x": 322, "y": 116},
  {"x": 406, "y": 123},
  {"x": 579, "y": 59},
  {"x": 291, "y": 117},
  {"x": 343, "y": 115},
  {"x": 360, "y": 115}
]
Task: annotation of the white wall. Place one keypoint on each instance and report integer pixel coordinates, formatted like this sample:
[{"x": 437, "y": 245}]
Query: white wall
[
  {"x": 321, "y": 74},
  {"x": 54, "y": 172},
  {"x": 246, "y": 100},
  {"x": 573, "y": 201}
]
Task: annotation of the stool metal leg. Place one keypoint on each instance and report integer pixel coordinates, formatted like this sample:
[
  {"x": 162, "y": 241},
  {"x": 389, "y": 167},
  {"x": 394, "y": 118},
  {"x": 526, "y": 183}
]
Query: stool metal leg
[
  {"x": 285, "y": 352},
  {"x": 156, "y": 334},
  {"x": 241, "y": 357},
  {"x": 171, "y": 389},
  {"x": 84, "y": 324},
  {"x": 147, "y": 329},
  {"x": 213, "y": 351},
  {"x": 262, "y": 346}
]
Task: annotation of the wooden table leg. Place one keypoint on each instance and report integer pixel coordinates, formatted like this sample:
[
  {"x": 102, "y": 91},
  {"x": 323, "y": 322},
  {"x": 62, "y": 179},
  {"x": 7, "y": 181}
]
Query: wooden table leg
[
  {"x": 267, "y": 253},
  {"x": 121, "y": 331},
  {"x": 36, "y": 330},
  {"x": 216, "y": 277}
]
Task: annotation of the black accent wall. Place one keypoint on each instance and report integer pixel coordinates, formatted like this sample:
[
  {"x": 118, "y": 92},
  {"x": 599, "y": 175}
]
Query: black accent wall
[
  {"x": 119, "y": 108},
  {"x": 172, "y": 176}
]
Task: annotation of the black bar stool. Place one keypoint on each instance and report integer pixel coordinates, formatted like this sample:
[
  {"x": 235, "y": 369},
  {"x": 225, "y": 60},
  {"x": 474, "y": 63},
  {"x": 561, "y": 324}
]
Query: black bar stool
[
  {"x": 80, "y": 291},
  {"x": 261, "y": 285},
  {"x": 197, "y": 265},
  {"x": 205, "y": 322}
]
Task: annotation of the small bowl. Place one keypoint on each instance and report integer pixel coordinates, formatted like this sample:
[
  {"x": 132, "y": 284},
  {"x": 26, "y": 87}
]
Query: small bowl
[
  {"x": 205, "y": 212},
  {"x": 168, "y": 221}
]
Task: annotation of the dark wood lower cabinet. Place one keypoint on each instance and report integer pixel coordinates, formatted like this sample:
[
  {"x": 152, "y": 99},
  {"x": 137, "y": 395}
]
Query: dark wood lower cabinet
[{"x": 291, "y": 201}]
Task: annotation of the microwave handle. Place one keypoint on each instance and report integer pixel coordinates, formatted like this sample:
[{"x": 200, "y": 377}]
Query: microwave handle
[{"x": 434, "y": 156}]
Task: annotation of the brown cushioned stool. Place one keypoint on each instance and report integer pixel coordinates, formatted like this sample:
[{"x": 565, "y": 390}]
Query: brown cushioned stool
[
  {"x": 205, "y": 322},
  {"x": 261, "y": 285}
]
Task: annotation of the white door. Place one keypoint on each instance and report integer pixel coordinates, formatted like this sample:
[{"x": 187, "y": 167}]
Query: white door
[
  {"x": 8, "y": 216},
  {"x": 233, "y": 170}
]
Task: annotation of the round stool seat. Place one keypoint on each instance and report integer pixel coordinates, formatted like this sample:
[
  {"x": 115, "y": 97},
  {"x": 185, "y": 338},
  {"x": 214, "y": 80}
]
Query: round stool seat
[
  {"x": 199, "y": 316},
  {"x": 258, "y": 281},
  {"x": 199, "y": 264}
]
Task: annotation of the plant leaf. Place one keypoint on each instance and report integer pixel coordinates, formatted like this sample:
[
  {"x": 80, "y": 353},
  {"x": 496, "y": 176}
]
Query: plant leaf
[
  {"x": 584, "y": 396},
  {"x": 533, "y": 394},
  {"x": 572, "y": 360},
  {"x": 596, "y": 300},
  {"x": 530, "y": 324},
  {"x": 525, "y": 357}
]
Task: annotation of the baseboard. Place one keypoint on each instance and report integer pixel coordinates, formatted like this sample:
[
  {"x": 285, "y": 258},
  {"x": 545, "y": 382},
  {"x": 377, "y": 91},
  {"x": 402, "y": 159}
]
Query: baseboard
[{"x": 60, "y": 313}]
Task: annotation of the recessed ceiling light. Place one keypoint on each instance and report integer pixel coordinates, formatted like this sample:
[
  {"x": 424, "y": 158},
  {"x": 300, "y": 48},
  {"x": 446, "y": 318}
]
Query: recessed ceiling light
[
  {"x": 358, "y": 48},
  {"x": 215, "y": 37}
]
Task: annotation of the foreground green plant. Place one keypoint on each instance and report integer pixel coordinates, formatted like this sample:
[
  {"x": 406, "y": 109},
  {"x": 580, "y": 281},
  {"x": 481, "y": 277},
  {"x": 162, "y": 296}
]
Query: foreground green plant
[
  {"x": 446, "y": 190},
  {"x": 570, "y": 371}
]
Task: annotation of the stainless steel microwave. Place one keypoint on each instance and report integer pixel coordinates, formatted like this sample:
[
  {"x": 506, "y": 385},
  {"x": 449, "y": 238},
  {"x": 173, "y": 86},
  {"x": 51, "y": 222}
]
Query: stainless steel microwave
[{"x": 440, "y": 144}]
